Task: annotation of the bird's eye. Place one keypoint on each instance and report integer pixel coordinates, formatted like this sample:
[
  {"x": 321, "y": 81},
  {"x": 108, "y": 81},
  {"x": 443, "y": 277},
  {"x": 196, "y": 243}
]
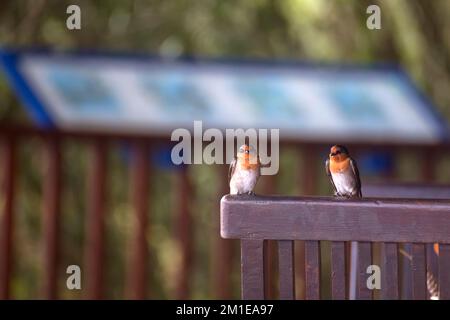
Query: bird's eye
[{"x": 247, "y": 151}]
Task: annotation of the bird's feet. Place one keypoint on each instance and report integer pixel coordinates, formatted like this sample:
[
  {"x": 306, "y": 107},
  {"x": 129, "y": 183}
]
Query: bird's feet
[
  {"x": 251, "y": 193},
  {"x": 340, "y": 196}
]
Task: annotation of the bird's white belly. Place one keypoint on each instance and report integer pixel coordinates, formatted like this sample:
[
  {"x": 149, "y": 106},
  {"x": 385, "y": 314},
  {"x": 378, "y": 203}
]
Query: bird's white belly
[
  {"x": 243, "y": 181},
  {"x": 345, "y": 183}
]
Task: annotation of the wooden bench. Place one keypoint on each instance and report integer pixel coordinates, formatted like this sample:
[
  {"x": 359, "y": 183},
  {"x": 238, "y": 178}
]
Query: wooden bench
[
  {"x": 376, "y": 220},
  {"x": 410, "y": 190}
]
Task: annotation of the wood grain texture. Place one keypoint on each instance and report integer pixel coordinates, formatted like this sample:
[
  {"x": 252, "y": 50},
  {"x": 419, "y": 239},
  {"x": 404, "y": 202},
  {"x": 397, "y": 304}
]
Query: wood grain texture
[
  {"x": 312, "y": 270},
  {"x": 405, "y": 261},
  {"x": 418, "y": 281},
  {"x": 389, "y": 271},
  {"x": 286, "y": 269},
  {"x": 338, "y": 279},
  {"x": 364, "y": 261},
  {"x": 321, "y": 218},
  {"x": 252, "y": 270}
]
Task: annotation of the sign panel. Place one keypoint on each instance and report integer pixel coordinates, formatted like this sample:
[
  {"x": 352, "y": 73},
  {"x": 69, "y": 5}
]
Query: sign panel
[{"x": 154, "y": 96}]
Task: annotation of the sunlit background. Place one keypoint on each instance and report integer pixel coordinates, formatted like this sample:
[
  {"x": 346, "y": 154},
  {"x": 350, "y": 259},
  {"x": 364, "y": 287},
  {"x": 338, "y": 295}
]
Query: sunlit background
[{"x": 414, "y": 34}]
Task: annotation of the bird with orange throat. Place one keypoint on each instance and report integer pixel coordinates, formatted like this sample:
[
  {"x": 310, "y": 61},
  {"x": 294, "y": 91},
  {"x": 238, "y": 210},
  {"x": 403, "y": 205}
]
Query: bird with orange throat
[
  {"x": 344, "y": 177},
  {"x": 343, "y": 173},
  {"x": 244, "y": 171}
]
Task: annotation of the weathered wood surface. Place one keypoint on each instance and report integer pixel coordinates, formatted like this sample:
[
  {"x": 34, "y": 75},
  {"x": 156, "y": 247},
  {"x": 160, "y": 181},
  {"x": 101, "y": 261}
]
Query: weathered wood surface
[
  {"x": 286, "y": 269},
  {"x": 312, "y": 270},
  {"x": 253, "y": 270},
  {"x": 326, "y": 218}
]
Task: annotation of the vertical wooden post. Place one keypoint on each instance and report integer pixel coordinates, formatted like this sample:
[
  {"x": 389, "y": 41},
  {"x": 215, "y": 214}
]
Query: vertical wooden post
[
  {"x": 222, "y": 250},
  {"x": 338, "y": 278},
  {"x": 95, "y": 246},
  {"x": 7, "y": 218},
  {"x": 312, "y": 270},
  {"x": 139, "y": 190},
  {"x": 389, "y": 271},
  {"x": 286, "y": 269},
  {"x": 419, "y": 277},
  {"x": 364, "y": 254},
  {"x": 184, "y": 233},
  {"x": 252, "y": 270},
  {"x": 428, "y": 165},
  {"x": 51, "y": 207}
]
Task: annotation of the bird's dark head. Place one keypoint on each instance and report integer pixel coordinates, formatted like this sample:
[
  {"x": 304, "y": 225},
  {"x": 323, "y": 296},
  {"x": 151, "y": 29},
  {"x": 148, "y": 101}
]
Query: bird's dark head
[{"x": 338, "y": 152}]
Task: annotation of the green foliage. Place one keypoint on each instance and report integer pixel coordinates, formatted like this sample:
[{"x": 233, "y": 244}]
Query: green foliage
[{"x": 414, "y": 34}]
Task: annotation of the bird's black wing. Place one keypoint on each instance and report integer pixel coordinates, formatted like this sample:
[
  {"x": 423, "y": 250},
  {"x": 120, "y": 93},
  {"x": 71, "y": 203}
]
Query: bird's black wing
[
  {"x": 356, "y": 173},
  {"x": 327, "y": 170},
  {"x": 231, "y": 169}
]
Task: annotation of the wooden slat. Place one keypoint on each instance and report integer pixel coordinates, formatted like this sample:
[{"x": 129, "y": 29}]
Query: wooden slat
[
  {"x": 95, "y": 246},
  {"x": 8, "y": 162},
  {"x": 338, "y": 279},
  {"x": 252, "y": 269},
  {"x": 364, "y": 260},
  {"x": 286, "y": 269},
  {"x": 271, "y": 259},
  {"x": 389, "y": 271},
  {"x": 312, "y": 270},
  {"x": 299, "y": 257},
  {"x": 365, "y": 220},
  {"x": 418, "y": 272},
  {"x": 184, "y": 232},
  {"x": 222, "y": 250},
  {"x": 428, "y": 164},
  {"x": 444, "y": 272},
  {"x": 51, "y": 209},
  {"x": 139, "y": 191},
  {"x": 405, "y": 255}
]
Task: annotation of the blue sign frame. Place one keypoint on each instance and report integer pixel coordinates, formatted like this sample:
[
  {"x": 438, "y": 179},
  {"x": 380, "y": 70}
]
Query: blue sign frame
[{"x": 10, "y": 60}]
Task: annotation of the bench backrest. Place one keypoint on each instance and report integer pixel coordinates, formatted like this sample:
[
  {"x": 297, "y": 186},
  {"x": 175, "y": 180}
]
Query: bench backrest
[{"x": 379, "y": 220}]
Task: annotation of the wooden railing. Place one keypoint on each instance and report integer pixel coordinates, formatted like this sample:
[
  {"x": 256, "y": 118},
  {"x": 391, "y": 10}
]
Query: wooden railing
[
  {"x": 390, "y": 222},
  {"x": 418, "y": 191},
  {"x": 51, "y": 143}
]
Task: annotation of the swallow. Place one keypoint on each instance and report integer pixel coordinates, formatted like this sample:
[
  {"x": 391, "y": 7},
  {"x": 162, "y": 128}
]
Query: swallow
[
  {"x": 244, "y": 171},
  {"x": 343, "y": 173}
]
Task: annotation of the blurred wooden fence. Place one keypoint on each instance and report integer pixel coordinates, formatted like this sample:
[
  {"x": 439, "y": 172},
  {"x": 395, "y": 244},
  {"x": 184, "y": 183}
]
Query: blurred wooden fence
[{"x": 138, "y": 267}]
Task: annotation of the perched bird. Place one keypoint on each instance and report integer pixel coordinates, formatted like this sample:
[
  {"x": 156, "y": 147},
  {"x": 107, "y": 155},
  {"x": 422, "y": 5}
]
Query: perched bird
[
  {"x": 244, "y": 171},
  {"x": 344, "y": 176},
  {"x": 343, "y": 173}
]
